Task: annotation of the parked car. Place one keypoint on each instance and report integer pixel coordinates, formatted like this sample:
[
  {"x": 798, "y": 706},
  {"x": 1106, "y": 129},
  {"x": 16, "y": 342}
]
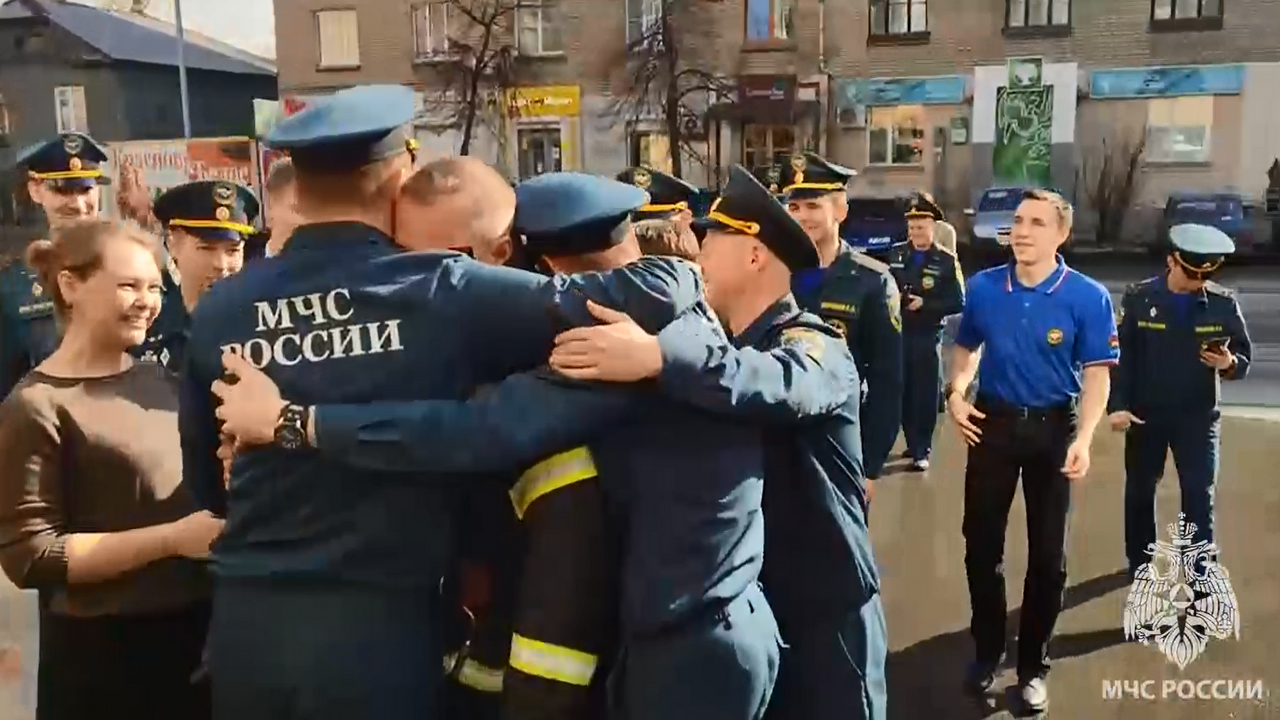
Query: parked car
[
  {"x": 991, "y": 222},
  {"x": 1225, "y": 211},
  {"x": 874, "y": 225}
]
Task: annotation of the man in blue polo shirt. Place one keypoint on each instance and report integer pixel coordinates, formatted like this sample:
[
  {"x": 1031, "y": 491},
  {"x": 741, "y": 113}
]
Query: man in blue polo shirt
[{"x": 1048, "y": 335}]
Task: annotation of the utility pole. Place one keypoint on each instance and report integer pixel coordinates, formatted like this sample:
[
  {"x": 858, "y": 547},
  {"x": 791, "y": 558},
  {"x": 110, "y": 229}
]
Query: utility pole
[{"x": 182, "y": 69}]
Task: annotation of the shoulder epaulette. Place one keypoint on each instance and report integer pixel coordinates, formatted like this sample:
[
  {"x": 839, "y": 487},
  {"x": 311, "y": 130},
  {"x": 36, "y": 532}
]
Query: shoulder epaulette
[
  {"x": 869, "y": 262},
  {"x": 1219, "y": 289},
  {"x": 1142, "y": 285}
]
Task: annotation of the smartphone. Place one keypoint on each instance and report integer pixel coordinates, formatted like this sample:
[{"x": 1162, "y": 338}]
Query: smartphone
[{"x": 1216, "y": 345}]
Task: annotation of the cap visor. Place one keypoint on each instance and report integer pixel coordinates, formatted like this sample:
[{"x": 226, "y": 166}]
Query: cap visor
[
  {"x": 214, "y": 234},
  {"x": 77, "y": 183},
  {"x": 653, "y": 214},
  {"x": 805, "y": 194},
  {"x": 703, "y": 224}
]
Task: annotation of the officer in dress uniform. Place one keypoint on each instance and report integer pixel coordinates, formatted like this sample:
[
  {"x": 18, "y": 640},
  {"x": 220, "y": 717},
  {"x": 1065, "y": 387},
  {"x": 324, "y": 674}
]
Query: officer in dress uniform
[
  {"x": 328, "y": 596},
  {"x": 932, "y": 287},
  {"x": 853, "y": 292},
  {"x": 1181, "y": 335},
  {"x": 63, "y": 178},
  {"x": 770, "y": 176},
  {"x": 669, "y": 199},
  {"x": 207, "y": 223},
  {"x": 819, "y": 572}
]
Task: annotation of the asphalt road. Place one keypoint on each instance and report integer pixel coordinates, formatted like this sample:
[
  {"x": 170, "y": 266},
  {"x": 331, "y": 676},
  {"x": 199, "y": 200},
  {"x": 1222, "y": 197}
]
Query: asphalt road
[{"x": 1258, "y": 290}]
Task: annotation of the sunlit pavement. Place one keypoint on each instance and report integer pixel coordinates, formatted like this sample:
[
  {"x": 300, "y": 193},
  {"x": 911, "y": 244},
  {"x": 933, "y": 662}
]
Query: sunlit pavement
[{"x": 916, "y": 531}]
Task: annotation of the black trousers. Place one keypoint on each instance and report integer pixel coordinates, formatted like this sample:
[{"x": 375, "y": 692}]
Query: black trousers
[
  {"x": 122, "y": 667},
  {"x": 283, "y": 650},
  {"x": 1031, "y": 444}
]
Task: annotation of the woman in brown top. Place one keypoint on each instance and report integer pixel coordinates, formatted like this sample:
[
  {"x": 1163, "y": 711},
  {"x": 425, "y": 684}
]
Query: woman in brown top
[{"x": 93, "y": 514}]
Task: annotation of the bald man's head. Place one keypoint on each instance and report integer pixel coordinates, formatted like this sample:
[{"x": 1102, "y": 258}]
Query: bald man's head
[{"x": 457, "y": 203}]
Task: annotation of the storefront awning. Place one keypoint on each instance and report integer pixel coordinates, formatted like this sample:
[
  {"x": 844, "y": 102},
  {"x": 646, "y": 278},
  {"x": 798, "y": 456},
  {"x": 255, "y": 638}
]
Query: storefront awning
[{"x": 765, "y": 113}]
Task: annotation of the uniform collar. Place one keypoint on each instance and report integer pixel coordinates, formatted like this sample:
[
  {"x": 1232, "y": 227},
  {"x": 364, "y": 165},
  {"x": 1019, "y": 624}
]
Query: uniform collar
[
  {"x": 1047, "y": 286},
  {"x": 330, "y": 235},
  {"x": 1201, "y": 296},
  {"x": 777, "y": 312}
]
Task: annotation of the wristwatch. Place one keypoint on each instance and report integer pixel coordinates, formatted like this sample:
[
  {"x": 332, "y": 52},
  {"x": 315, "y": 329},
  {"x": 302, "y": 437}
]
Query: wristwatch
[{"x": 291, "y": 428}]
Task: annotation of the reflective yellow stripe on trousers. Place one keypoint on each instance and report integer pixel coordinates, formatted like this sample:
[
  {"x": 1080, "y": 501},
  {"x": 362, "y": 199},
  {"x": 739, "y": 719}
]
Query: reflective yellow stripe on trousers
[
  {"x": 555, "y": 472},
  {"x": 553, "y": 662},
  {"x": 473, "y": 674}
]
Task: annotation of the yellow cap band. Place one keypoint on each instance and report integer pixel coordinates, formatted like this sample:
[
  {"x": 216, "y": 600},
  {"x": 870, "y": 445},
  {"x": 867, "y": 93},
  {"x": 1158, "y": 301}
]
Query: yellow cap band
[
  {"x": 742, "y": 226},
  {"x": 218, "y": 224},
  {"x": 814, "y": 186},
  {"x": 67, "y": 175},
  {"x": 664, "y": 208},
  {"x": 1212, "y": 266}
]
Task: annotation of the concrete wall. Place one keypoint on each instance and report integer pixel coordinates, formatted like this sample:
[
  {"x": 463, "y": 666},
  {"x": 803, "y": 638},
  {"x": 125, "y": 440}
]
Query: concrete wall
[{"x": 1259, "y": 127}]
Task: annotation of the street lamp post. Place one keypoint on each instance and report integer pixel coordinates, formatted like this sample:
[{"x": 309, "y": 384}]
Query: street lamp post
[{"x": 182, "y": 69}]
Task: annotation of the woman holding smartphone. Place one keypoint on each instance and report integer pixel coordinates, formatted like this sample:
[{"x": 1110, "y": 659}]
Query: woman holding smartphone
[{"x": 93, "y": 513}]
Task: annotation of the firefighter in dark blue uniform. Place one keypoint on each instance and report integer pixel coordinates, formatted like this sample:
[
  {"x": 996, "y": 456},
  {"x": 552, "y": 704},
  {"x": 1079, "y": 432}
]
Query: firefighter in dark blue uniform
[
  {"x": 669, "y": 199},
  {"x": 932, "y": 288},
  {"x": 328, "y": 596},
  {"x": 819, "y": 575},
  {"x": 63, "y": 175},
  {"x": 207, "y": 222},
  {"x": 855, "y": 293},
  {"x": 1181, "y": 335}
]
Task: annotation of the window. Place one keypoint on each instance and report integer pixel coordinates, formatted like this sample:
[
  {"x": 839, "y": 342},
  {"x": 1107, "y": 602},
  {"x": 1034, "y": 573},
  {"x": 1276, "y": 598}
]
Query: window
[
  {"x": 899, "y": 17},
  {"x": 651, "y": 149},
  {"x": 1178, "y": 129},
  {"x": 539, "y": 151},
  {"x": 338, "y": 39},
  {"x": 4, "y": 117},
  {"x": 770, "y": 19},
  {"x": 1038, "y": 13},
  {"x": 69, "y": 106},
  {"x": 895, "y": 135},
  {"x": 765, "y": 145},
  {"x": 1186, "y": 9},
  {"x": 643, "y": 20},
  {"x": 431, "y": 29},
  {"x": 539, "y": 28}
]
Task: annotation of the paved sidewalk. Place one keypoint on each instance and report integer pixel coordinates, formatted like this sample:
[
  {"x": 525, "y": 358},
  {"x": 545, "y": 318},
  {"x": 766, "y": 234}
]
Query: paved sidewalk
[{"x": 916, "y": 530}]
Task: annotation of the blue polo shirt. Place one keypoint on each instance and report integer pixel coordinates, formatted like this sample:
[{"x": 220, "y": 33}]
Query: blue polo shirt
[{"x": 1035, "y": 340}]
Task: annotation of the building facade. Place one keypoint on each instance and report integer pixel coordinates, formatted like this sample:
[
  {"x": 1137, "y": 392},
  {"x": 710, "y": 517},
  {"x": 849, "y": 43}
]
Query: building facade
[
  {"x": 951, "y": 97},
  {"x": 68, "y": 67}
]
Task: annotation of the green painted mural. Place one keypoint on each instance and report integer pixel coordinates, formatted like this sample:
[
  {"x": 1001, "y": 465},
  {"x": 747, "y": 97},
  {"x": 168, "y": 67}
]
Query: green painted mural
[{"x": 1024, "y": 123}]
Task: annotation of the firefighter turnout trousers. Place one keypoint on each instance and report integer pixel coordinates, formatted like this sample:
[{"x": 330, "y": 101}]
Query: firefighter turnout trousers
[{"x": 567, "y": 602}]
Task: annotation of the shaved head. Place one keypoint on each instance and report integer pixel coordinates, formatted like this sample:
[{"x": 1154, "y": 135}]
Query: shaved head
[{"x": 457, "y": 203}]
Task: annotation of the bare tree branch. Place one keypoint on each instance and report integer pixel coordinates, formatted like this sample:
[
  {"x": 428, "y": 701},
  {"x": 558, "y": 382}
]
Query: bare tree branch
[
  {"x": 478, "y": 65},
  {"x": 1109, "y": 180},
  {"x": 655, "y": 80}
]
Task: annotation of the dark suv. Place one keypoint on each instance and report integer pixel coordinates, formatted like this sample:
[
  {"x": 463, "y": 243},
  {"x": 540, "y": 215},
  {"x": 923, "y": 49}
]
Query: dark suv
[
  {"x": 1224, "y": 211},
  {"x": 874, "y": 225}
]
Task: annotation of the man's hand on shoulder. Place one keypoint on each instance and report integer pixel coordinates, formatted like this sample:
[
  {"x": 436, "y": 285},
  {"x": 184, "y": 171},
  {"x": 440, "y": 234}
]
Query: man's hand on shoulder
[{"x": 617, "y": 351}]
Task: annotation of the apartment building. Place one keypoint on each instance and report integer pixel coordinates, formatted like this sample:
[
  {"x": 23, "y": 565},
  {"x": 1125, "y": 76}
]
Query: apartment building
[{"x": 948, "y": 96}]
